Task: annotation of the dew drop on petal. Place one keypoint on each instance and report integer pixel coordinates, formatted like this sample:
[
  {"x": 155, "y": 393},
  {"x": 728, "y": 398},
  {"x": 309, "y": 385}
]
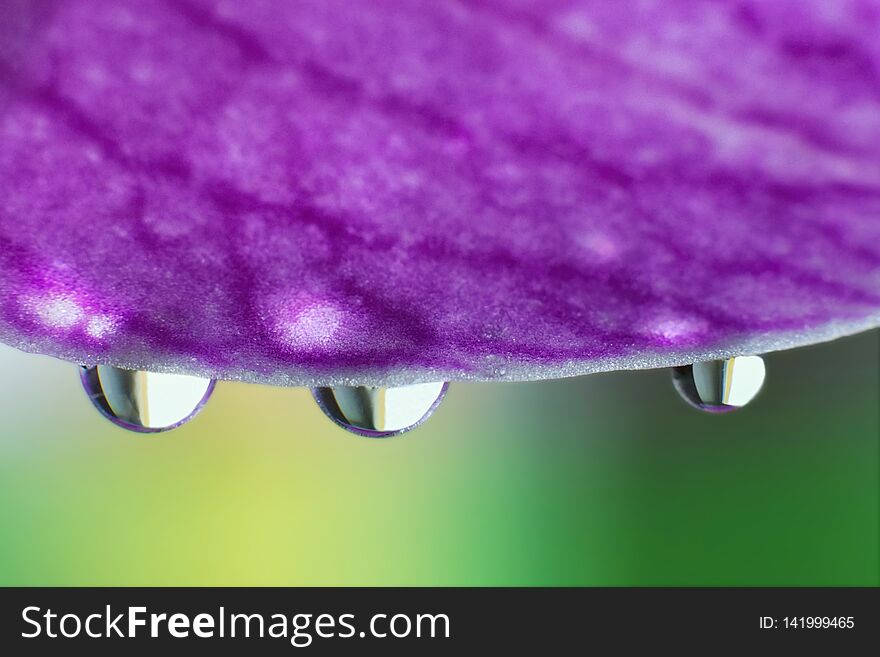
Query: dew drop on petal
[
  {"x": 145, "y": 402},
  {"x": 718, "y": 386},
  {"x": 379, "y": 412}
]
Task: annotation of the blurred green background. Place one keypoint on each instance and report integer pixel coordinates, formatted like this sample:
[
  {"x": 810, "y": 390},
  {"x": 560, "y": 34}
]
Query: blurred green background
[{"x": 602, "y": 480}]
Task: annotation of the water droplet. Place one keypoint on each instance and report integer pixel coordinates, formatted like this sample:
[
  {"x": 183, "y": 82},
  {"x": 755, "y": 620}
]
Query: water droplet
[
  {"x": 146, "y": 402},
  {"x": 380, "y": 412},
  {"x": 718, "y": 386}
]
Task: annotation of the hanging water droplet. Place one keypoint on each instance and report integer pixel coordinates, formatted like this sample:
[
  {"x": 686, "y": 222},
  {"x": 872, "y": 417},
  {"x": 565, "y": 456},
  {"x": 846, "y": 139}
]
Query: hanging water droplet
[
  {"x": 146, "y": 402},
  {"x": 718, "y": 386},
  {"x": 380, "y": 412}
]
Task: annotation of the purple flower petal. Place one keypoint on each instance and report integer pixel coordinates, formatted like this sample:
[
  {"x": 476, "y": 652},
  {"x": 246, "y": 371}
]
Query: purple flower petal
[{"x": 324, "y": 192}]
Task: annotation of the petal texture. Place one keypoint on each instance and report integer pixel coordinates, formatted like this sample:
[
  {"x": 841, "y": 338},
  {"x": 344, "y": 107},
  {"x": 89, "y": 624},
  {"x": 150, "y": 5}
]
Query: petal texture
[{"x": 322, "y": 191}]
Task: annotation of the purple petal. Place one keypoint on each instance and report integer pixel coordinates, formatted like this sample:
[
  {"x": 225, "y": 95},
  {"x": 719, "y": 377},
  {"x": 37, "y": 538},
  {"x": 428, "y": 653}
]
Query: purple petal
[{"x": 324, "y": 192}]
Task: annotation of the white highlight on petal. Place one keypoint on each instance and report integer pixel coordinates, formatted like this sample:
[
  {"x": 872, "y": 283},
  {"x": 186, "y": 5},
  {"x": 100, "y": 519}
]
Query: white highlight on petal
[
  {"x": 67, "y": 311},
  {"x": 578, "y": 25},
  {"x": 57, "y": 311},
  {"x": 600, "y": 246},
  {"x": 100, "y": 326},
  {"x": 314, "y": 325},
  {"x": 675, "y": 328}
]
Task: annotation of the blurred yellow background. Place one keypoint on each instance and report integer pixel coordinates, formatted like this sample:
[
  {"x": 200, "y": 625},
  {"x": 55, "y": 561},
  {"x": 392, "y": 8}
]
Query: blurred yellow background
[{"x": 602, "y": 480}]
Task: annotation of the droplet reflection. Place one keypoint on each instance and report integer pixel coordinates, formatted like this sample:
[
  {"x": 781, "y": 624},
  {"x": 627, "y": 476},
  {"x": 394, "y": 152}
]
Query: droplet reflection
[
  {"x": 718, "y": 386},
  {"x": 145, "y": 402},
  {"x": 380, "y": 412}
]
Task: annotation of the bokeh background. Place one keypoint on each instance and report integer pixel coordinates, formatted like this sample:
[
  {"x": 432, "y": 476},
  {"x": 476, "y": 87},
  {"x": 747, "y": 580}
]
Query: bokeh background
[{"x": 602, "y": 480}]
